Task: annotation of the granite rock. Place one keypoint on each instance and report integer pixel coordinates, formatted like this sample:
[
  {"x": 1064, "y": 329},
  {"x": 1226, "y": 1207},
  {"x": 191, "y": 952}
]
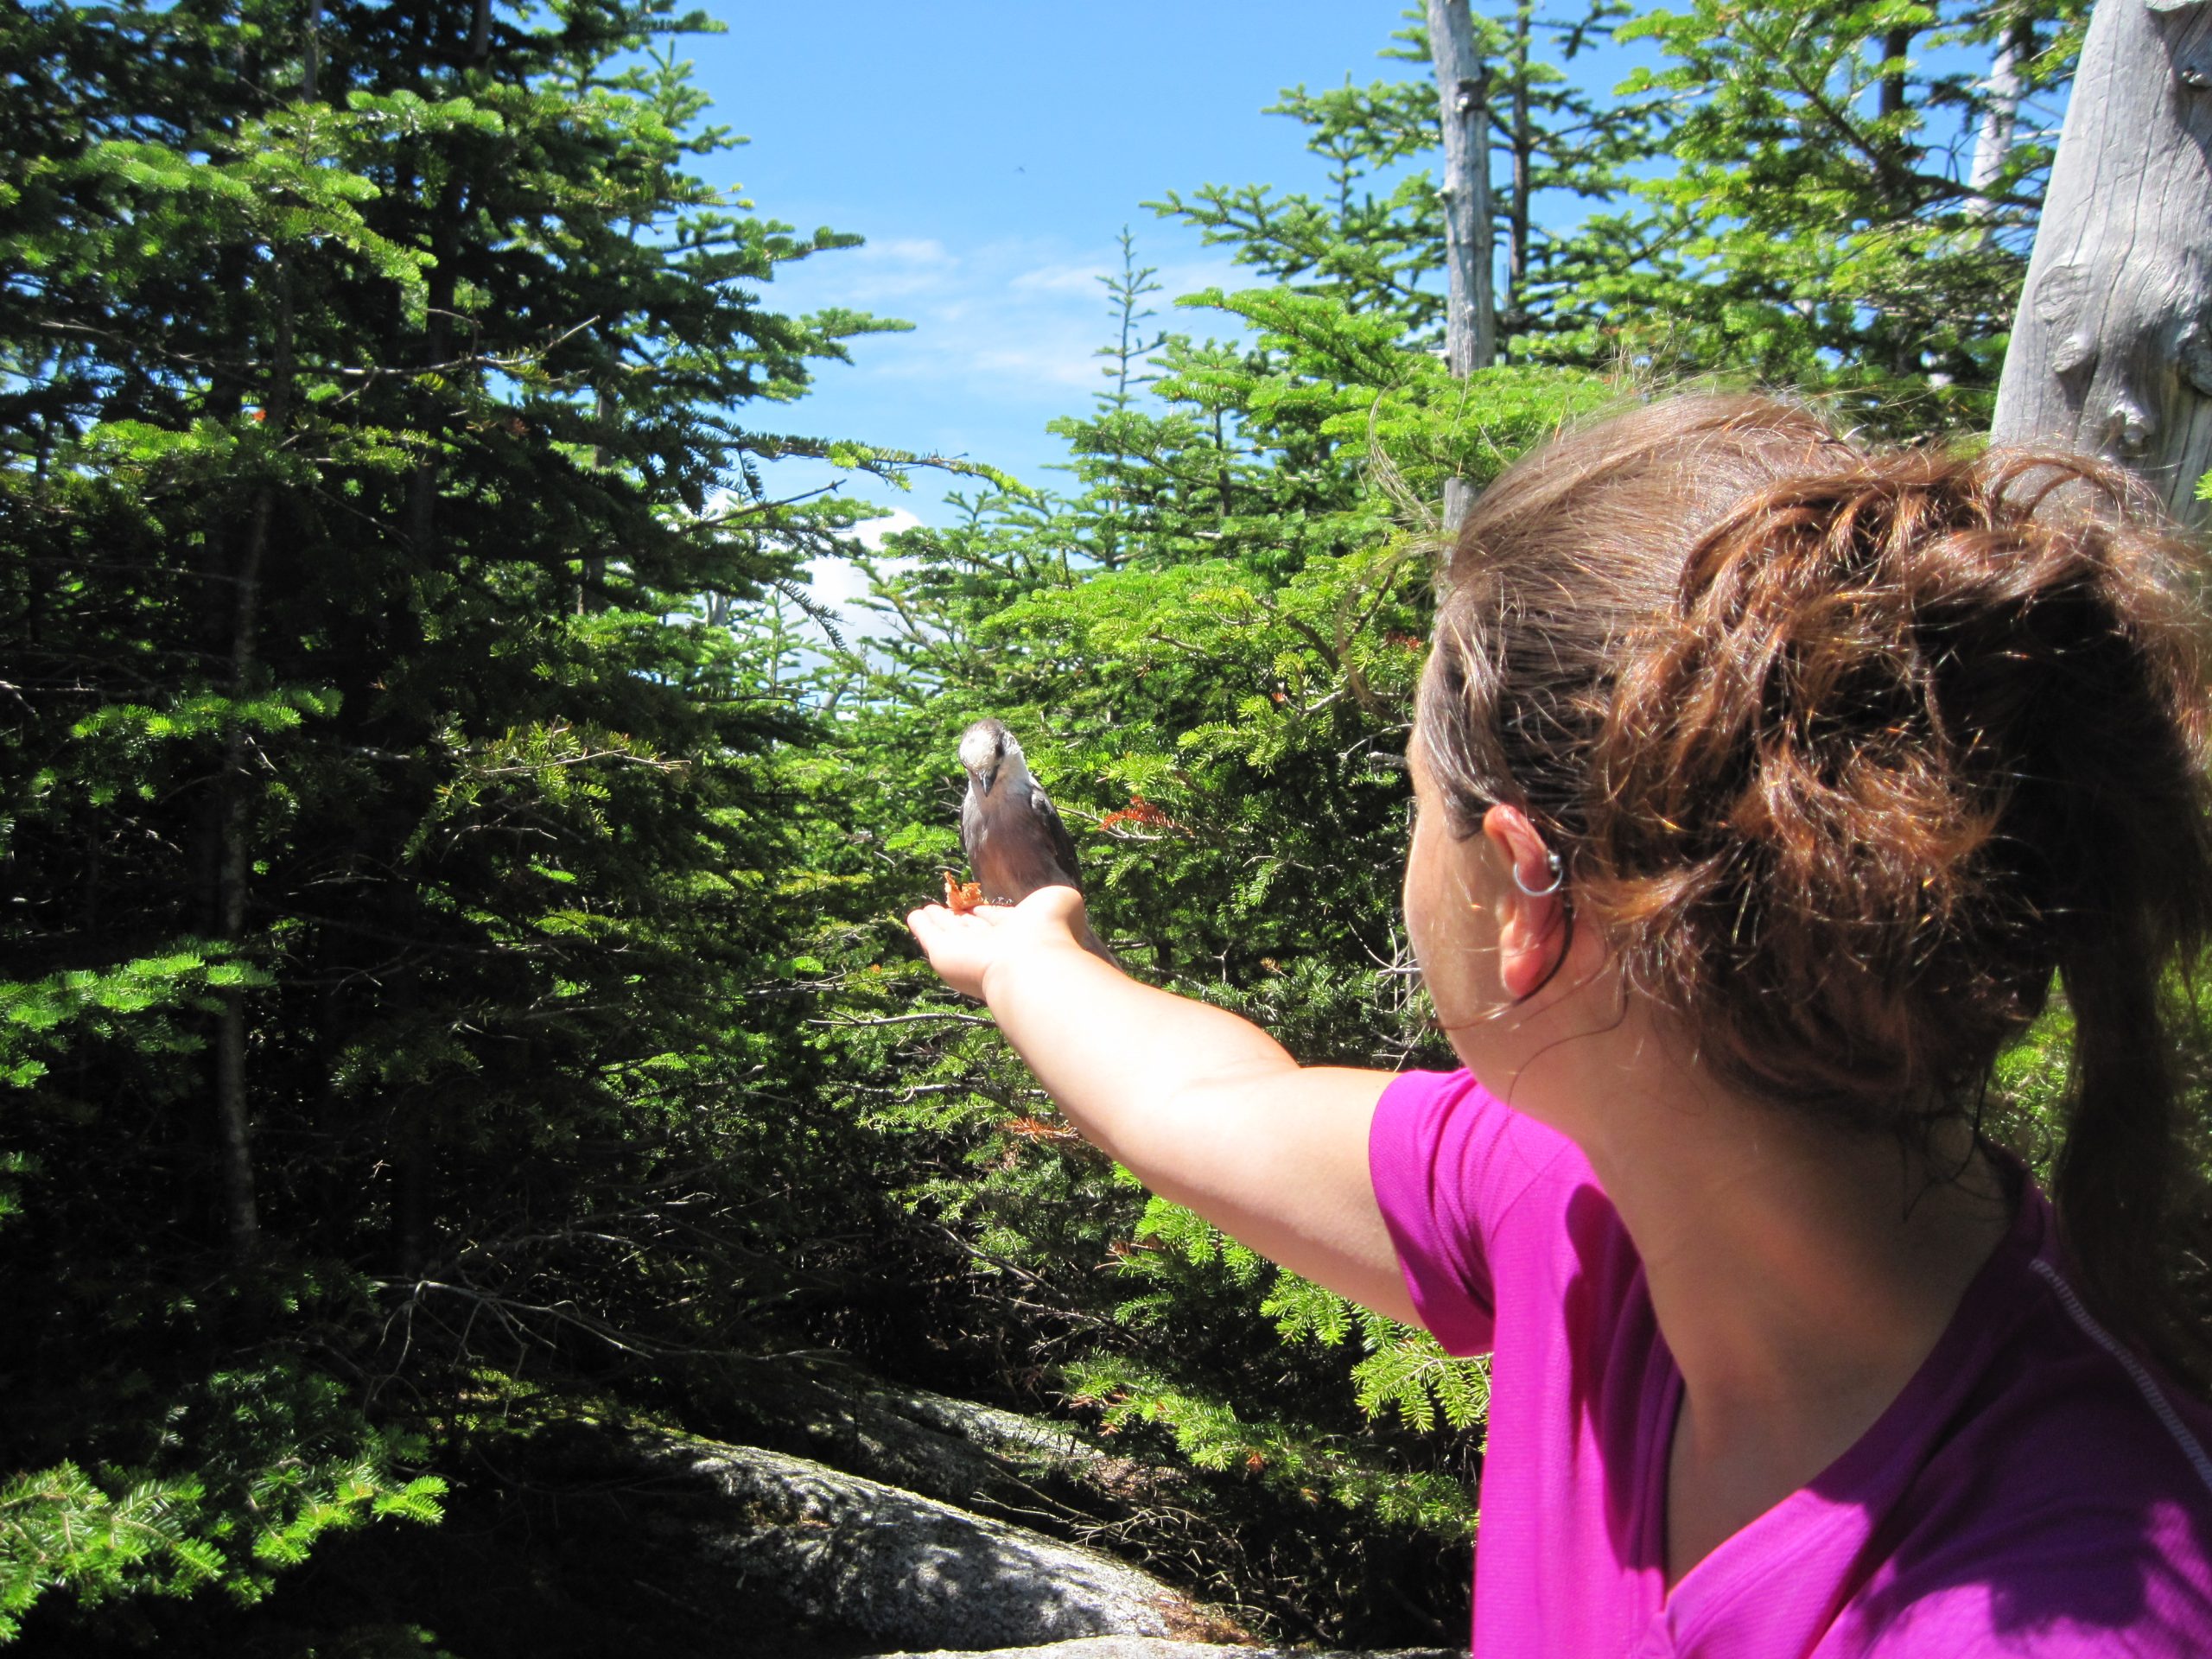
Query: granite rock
[
  {"x": 1148, "y": 1646},
  {"x": 895, "y": 1566}
]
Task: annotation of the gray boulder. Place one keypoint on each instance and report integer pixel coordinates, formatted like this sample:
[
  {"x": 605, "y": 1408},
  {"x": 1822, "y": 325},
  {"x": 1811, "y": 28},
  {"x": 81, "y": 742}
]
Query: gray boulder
[
  {"x": 1145, "y": 1646},
  {"x": 976, "y": 1457},
  {"x": 897, "y": 1567}
]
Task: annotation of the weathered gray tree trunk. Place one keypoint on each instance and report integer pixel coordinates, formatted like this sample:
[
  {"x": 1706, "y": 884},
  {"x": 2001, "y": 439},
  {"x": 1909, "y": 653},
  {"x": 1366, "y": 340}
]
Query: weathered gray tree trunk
[
  {"x": 1470, "y": 319},
  {"x": 1524, "y": 152},
  {"x": 2000, "y": 115},
  {"x": 2112, "y": 349}
]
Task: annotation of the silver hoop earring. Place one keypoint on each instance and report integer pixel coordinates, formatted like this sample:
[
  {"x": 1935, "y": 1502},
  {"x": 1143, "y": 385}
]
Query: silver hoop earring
[{"x": 1559, "y": 876}]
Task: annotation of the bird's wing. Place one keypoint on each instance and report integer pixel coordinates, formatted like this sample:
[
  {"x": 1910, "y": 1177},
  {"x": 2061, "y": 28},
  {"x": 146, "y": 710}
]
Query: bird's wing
[
  {"x": 971, "y": 826},
  {"x": 1056, "y": 835}
]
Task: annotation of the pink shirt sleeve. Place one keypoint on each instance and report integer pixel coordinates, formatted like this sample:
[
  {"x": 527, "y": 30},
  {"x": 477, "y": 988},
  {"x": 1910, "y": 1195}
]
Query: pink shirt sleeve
[{"x": 1449, "y": 1161}]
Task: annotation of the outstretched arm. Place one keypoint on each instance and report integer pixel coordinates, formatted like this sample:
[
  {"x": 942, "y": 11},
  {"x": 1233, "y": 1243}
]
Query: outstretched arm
[{"x": 1204, "y": 1107}]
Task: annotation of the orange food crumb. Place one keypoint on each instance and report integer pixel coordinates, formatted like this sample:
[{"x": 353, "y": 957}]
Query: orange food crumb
[{"x": 961, "y": 896}]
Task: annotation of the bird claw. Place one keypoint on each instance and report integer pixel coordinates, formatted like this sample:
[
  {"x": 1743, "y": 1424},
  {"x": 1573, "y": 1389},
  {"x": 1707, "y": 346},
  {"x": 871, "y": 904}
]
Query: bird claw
[{"x": 961, "y": 896}]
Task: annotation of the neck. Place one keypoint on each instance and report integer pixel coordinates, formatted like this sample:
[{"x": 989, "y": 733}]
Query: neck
[{"x": 1800, "y": 1275}]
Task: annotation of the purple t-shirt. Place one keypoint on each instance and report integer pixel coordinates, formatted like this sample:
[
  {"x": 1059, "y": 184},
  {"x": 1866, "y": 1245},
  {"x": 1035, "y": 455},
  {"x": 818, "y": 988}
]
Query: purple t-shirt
[{"x": 2034, "y": 1490}]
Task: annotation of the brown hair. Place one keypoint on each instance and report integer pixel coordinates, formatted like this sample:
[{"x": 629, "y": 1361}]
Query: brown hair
[{"x": 1847, "y": 752}]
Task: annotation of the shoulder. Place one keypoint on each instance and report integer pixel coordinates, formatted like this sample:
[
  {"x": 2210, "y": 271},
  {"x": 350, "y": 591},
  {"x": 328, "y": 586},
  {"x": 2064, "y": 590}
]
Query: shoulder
[
  {"x": 1488, "y": 1208},
  {"x": 2085, "y": 1433},
  {"x": 2097, "y": 1597},
  {"x": 1442, "y": 1142},
  {"x": 2066, "y": 1510}
]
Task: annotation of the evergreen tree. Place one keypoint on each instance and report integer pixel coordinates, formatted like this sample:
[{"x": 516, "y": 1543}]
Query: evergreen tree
[
  {"x": 1218, "y": 709},
  {"x": 1374, "y": 239},
  {"x": 394, "y": 892},
  {"x": 1854, "y": 194},
  {"x": 1110, "y": 447}
]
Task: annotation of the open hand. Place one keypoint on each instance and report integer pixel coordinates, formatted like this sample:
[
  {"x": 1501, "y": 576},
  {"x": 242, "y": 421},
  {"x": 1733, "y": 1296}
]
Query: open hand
[{"x": 965, "y": 949}]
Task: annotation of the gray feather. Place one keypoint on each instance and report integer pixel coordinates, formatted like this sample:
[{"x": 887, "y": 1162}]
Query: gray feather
[{"x": 1063, "y": 844}]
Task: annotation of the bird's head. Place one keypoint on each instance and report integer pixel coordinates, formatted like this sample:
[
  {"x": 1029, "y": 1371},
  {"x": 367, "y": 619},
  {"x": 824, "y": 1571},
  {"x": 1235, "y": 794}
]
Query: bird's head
[{"x": 984, "y": 748}]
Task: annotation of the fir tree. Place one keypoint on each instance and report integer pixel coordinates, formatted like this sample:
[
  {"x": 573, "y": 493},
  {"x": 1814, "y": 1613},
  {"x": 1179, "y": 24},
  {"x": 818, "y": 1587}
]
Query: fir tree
[
  {"x": 393, "y": 885},
  {"x": 1853, "y": 199}
]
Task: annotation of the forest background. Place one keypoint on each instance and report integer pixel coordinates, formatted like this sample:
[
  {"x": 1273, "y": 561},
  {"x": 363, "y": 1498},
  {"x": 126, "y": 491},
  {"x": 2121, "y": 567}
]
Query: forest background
[{"x": 452, "y": 862}]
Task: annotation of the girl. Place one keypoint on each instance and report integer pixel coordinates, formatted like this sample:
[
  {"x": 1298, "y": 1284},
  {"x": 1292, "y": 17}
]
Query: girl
[{"x": 1764, "y": 785}]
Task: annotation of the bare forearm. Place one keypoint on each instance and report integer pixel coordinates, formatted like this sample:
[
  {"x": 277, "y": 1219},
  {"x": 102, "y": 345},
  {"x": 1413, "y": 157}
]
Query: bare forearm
[
  {"x": 1203, "y": 1107},
  {"x": 1124, "y": 1060}
]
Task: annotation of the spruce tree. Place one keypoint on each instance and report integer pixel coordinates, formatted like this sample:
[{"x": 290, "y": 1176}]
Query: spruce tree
[
  {"x": 393, "y": 874},
  {"x": 1853, "y": 194},
  {"x": 1373, "y": 238}
]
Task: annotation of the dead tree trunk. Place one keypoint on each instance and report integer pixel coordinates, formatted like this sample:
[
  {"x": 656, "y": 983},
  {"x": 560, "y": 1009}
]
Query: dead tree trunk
[
  {"x": 2000, "y": 114},
  {"x": 1515, "y": 314},
  {"x": 1470, "y": 322},
  {"x": 2112, "y": 348}
]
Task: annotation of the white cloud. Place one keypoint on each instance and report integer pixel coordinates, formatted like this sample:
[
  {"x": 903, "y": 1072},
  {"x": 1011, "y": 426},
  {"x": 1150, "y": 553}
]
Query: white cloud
[
  {"x": 840, "y": 586},
  {"x": 1188, "y": 278},
  {"x": 1062, "y": 279},
  {"x": 1087, "y": 280},
  {"x": 1068, "y": 362},
  {"x": 905, "y": 251},
  {"x": 835, "y": 583},
  {"x": 870, "y": 533},
  {"x": 878, "y": 271},
  {"x": 1018, "y": 320}
]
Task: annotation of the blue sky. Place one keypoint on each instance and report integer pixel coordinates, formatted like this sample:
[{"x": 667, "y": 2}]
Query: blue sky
[
  {"x": 989, "y": 153},
  {"x": 989, "y": 150}
]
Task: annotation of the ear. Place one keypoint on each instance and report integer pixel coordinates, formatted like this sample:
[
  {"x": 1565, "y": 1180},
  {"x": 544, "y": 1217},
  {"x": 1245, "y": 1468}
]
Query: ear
[{"x": 1531, "y": 931}]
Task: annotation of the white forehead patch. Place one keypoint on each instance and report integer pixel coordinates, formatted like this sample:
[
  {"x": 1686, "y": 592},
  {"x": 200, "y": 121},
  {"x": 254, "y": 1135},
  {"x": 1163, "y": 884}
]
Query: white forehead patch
[{"x": 978, "y": 745}]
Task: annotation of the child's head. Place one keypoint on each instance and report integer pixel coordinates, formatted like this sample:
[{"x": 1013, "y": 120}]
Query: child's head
[{"x": 1845, "y": 754}]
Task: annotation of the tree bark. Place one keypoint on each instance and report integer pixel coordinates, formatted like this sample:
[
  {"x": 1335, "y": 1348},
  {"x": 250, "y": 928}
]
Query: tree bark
[
  {"x": 1463, "y": 92},
  {"x": 234, "y": 812},
  {"x": 2000, "y": 113},
  {"x": 1894, "y": 45},
  {"x": 591, "y": 570},
  {"x": 2112, "y": 347},
  {"x": 1524, "y": 150},
  {"x": 234, "y": 864}
]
